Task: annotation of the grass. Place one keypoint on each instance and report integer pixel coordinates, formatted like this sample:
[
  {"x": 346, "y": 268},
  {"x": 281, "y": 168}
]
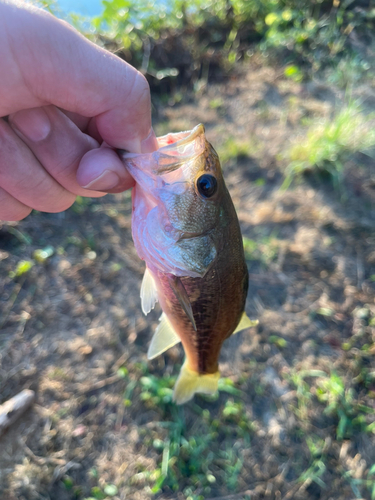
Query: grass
[
  {"x": 192, "y": 455},
  {"x": 234, "y": 149},
  {"x": 264, "y": 249},
  {"x": 329, "y": 143}
]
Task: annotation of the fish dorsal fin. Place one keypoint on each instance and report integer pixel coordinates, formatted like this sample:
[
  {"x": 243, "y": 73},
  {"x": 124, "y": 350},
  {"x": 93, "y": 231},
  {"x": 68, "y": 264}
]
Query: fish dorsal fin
[
  {"x": 163, "y": 339},
  {"x": 245, "y": 322},
  {"x": 149, "y": 293},
  {"x": 190, "y": 382},
  {"x": 182, "y": 296}
]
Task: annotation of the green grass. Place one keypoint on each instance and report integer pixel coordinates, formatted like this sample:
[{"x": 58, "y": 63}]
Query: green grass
[
  {"x": 234, "y": 149},
  {"x": 342, "y": 403},
  {"x": 329, "y": 143},
  {"x": 264, "y": 249},
  {"x": 193, "y": 455}
]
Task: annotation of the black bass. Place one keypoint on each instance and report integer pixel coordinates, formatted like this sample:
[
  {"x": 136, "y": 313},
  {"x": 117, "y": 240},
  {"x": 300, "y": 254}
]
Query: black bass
[{"x": 186, "y": 229}]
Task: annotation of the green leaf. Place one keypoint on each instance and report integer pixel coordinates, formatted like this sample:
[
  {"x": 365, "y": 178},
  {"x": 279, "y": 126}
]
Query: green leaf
[
  {"x": 23, "y": 267},
  {"x": 111, "y": 490}
]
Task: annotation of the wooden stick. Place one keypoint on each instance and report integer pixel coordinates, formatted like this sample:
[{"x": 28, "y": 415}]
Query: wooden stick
[{"x": 11, "y": 410}]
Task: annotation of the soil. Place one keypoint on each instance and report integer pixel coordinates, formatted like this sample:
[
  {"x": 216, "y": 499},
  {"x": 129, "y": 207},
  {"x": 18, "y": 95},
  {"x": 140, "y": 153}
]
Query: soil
[{"x": 70, "y": 323}]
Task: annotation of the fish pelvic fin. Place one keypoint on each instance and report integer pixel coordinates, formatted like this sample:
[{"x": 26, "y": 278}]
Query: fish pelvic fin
[
  {"x": 190, "y": 382},
  {"x": 181, "y": 295},
  {"x": 245, "y": 322},
  {"x": 149, "y": 293},
  {"x": 164, "y": 338}
]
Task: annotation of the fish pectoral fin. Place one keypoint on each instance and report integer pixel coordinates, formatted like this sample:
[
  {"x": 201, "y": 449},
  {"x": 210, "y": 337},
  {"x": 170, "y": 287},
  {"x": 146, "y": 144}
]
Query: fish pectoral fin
[
  {"x": 245, "y": 322},
  {"x": 149, "y": 293},
  {"x": 181, "y": 295},
  {"x": 190, "y": 382},
  {"x": 163, "y": 339}
]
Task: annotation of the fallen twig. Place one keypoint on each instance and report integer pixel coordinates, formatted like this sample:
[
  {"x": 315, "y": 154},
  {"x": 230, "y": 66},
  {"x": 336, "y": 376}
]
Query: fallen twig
[{"x": 11, "y": 410}]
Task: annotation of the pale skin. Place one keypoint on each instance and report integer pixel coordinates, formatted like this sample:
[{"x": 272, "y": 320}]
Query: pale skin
[{"x": 65, "y": 106}]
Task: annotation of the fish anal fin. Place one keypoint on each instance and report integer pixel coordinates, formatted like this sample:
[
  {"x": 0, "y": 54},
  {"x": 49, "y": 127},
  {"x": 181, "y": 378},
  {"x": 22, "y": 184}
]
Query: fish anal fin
[
  {"x": 149, "y": 293},
  {"x": 182, "y": 296},
  {"x": 163, "y": 339},
  {"x": 190, "y": 382},
  {"x": 245, "y": 322}
]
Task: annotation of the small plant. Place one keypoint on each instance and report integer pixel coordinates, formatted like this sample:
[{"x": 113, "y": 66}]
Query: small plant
[
  {"x": 303, "y": 390},
  {"x": 157, "y": 392},
  {"x": 329, "y": 143},
  {"x": 342, "y": 404},
  {"x": 194, "y": 453}
]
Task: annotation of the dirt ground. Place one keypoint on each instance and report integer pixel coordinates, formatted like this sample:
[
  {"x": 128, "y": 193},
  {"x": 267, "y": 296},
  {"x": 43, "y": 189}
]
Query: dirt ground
[{"x": 71, "y": 328}]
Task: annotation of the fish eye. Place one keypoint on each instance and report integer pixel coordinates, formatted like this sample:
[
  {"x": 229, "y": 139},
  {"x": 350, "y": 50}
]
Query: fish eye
[{"x": 207, "y": 185}]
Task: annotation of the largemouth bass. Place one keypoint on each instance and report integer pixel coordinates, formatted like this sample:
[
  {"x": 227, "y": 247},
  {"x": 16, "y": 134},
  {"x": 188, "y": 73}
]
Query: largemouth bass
[{"x": 186, "y": 229}]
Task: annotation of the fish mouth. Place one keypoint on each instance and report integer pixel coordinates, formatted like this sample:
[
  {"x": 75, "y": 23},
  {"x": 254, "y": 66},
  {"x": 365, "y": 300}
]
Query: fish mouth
[
  {"x": 178, "y": 139},
  {"x": 175, "y": 149}
]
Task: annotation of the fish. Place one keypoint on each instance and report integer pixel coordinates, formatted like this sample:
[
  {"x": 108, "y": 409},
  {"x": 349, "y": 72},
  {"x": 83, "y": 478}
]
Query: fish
[{"x": 185, "y": 228}]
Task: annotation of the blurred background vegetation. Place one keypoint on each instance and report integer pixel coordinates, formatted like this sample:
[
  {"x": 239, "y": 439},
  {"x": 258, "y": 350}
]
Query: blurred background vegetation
[{"x": 286, "y": 91}]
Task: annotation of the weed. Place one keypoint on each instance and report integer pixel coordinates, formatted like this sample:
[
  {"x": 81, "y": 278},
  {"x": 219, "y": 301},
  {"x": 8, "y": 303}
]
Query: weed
[
  {"x": 193, "y": 453},
  {"x": 329, "y": 144},
  {"x": 157, "y": 392},
  {"x": 303, "y": 391},
  {"x": 341, "y": 404},
  {"x": 314, "y": 473}
]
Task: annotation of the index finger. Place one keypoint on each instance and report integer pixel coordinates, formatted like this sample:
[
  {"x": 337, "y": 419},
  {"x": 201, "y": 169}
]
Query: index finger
[{"x": 46, "y": 61}]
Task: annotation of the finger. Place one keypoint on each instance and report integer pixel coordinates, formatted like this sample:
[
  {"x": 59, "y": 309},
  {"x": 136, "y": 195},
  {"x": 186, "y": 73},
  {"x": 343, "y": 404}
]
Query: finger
[
  {"x": 11, "y": 209},
  {"x": 23, "y": 177},
  {"x": 56, "y": 142},
  {"x": 80, "y": 121},
  {"x": 86, "y": 125},
  {"x": 76, "y": 75},
  {"x": 101, "y": 167}
]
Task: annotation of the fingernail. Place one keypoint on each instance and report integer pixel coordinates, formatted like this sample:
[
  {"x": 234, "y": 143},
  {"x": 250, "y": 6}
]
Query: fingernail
[
  {"x": 33, "y": 123},
  {"x": 107, "y": 180},
  {"x": 150, "y": 144}
]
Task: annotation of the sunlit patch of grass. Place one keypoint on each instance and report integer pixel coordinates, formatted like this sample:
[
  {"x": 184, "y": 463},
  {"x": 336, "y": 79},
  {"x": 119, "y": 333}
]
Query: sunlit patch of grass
[{"x": 329, "y": 143}]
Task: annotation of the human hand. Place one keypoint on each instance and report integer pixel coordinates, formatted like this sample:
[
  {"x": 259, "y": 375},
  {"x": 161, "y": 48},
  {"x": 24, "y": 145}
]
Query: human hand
[{"x": 65, "y": 104}]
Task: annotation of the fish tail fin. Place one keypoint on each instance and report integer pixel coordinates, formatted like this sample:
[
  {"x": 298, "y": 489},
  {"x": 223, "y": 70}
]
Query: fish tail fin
[{"x": 190, "y": 382}]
